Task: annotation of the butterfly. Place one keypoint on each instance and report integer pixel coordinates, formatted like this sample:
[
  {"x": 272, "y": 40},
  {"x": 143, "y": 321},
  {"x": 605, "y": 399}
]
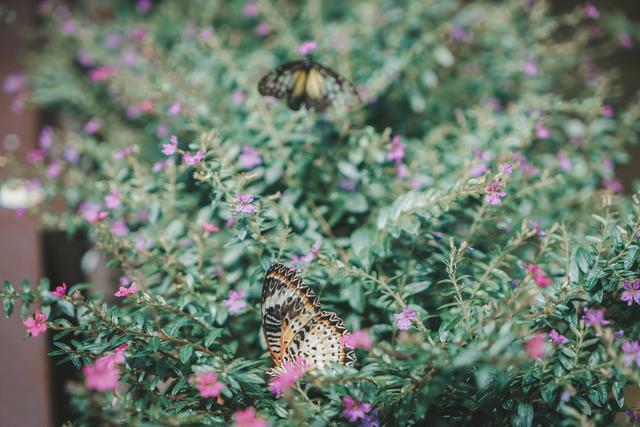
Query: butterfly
[
  {"x": 310, "y": 83},
  {"x": 295, "y": 326}
]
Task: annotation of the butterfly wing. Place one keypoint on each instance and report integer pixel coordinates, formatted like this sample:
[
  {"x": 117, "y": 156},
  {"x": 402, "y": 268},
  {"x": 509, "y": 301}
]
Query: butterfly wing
[
  {"x": 286, "y": 81},
  {"x": 319, "y": 342},
  {"x": 324, "y": 88},
  {"x": 287, "y": 306}
]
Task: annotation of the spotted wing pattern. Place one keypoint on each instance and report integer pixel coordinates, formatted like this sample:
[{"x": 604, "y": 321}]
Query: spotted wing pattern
[
  {"x": 309, "y": 83},
  {"x": 287, "y": 305},
  {"x": 293, "y": 324}
]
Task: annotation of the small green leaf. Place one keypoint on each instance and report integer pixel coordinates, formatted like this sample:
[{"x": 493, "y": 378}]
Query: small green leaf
[
  {"x": 617, "y": 390},
  {"x": 524, "y": 416},
  {"x": 185, "y": 353},
  {"x": 212, "y": 336},
  {"x": 631, "y": 257}
]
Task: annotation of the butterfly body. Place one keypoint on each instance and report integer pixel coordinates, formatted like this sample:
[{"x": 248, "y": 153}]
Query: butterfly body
[
  {"x": 294, "y": 325},
  {"x": 306, "y": 82}
]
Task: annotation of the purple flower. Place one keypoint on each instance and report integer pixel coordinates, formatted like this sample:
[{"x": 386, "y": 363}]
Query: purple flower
[
  {"x": 354, "y": 410},
  {"x": 505, "y": 169},
  {"x": 171, "y": 148},
  {"x": 404, "y": 318},
  {"x": 244, "y": 204},
  {"x": 250, "y": 9},
  {"x": 612, "y": 185},
  {"x": 193, "y": 159},
  {"x": 85, "y": 59},
  {"x": 401, "y": 170},
  {"x": 238, "y": 97},
  {"x": 101, "y": 74},
  {"x": 566, "y": 395},
  {"x": 124, "y": 152},
  {"x": 236, "y": 301},
  {"x": 478, "y": 169},
  {"x": 14, "y": 83},
  {"x": 564, "y": 162},
  {"x": 631, "y": 353},
  {"x": 250, "y": 157},
  {"x": 524, "y": 165},
  {"x": 299, "y": 262},
  {"x": 119, "y": 228},
  {"x": 92, "y": 126},
  {"x": 262, "y": 29},
  {"x": 112, "y": 200},
  {"x": 606, "y": 111},
  {"x": 129, "y": 57},
  {"x": 618, "y": 334},
  {"x": 175, "y": 108},
  {"x": 530, "y": 67},
  {"x": 45, "y": 141},
  {"x": 631, "y": 293},
  {"x": 556, "y": 338},
  {"x": 625, "y": 40},
  {"x": 347, "y": 184},
  {"x": 143, "y": 6},
  {"x": 307, "y": 47},
  {"x": 494, "y": 193},
  {"x": 535, "y": 224},
  {"x": 591, "y": 11},
  {"x": 112, "y": 41},
  {"x": 54, "y": 168},
  {"x": 370, "y": 420},
  {"x": 206, "y": 33},
  {"x": 162, "y": 131},
  {"x": 396, "y": 152},
  {"x": 594, "y": 317},
  {"x": 541, "y": 131}
]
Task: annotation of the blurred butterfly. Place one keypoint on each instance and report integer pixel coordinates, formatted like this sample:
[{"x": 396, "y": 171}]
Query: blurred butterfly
[
  {"x": 294, "y": 325},
  {"x": 310, "y": 83}
]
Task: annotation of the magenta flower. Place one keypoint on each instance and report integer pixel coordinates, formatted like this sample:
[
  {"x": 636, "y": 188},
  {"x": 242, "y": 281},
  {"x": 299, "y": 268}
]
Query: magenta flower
[
  {"x": 354, "y": 410},
  {"x": 606, "y": 111},
  {"x": 45, "y": 140},
  {"x": 307, "y": 47},
  {"x": 530, "y": 67},
  {"x": 556, "y": 338},
  {"x": 594, "y": 317},
  {"x": 591, "y": 11},
  {"x": 54, "y": 168},
  {"x": 631, "y": 293},
  {"x": 541, "y": 131},
  {"x": 262, "y": 29},
  {"x": 193, "y": 159},
  {"x": 478, "y": 169},
  {"x": 103, "y": 375},
  {"x": 143, "y": 6},
  {"x": 245, "y": 204},
  {"x": 123, "y": 291},
  {"x": 357, "y": 339},
  {"x": 112, "y": 200},
  {"x": 247, "y": 418},
  {"x": 92, "y": 126},
  {"x": 207, "y": 384},
  {"x": 175, "y": 108},
  {"x": 539, "y": 276},
  {"x": 14, "y": 83},
  {"x": 125, "y": 152},
  {"x": 206, "y": 33},
  {"x": 37, "y": 324},
  {"x": 494, "y": 193},
  {"x": 210, "y": 228},
  {"x": 564, "y": 162},
  {"x": 235, "y": 302},
  {"x": 35, "y": 156},
  {"x": 612, "y": 185},
  {"x": 288, "y": 375},
  {"x": 396, "y": 152},
  {"x": 631, "y": 353},
  {"x": 60, "y": 290},
  {"x": 171, "y": 148},
  {"x": 250, "y": 157},
  {"x": 404, "y": 318},
  {"x": 92, "y": 213},
  {"x": 535, "y": 346},
  {"x": 505, "y": 169},
  {"x": 119, "y": 228},
  {"x": 299, "y": 262},
  {"x": 101, "y": 74},
  {"x": 250, "y": 9}
]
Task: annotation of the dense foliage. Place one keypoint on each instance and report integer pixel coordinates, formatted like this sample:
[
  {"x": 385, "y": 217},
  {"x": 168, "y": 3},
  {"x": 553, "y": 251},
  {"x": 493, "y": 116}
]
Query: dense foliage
[{"x": 472, "y": 195}]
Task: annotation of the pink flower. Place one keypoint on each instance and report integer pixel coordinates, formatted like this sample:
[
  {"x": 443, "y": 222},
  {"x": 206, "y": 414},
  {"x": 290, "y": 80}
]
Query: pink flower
[
  {"x": 235, "y": 302},
  {"x": 101, "y": 74},
  {"x": 245, "y": 204},
  {"x": 556, "y": 338},
  {"x": 539, "y": 276},
  {"x": 478, "y": 169},
  {"x": 171, "y": 148},
  {"x": 210, "y": 228},
  {"x": 494, "y": 193},
  {"x": 45, "y": 140},
  {"x": 289, "y": 373},
  {"x": 103, "y": 375},
  {"x": 541, "y": 131},
  {"x": 54, "y": 168},
  {"x": 247, "y": 418},
  {"x": 250, "y": 9},
  {"x": 35, "y": 156},
  {"x": 357, "y": 339},
  {"x": 404, "y": 318},
  {"x": 524, "y": 165},
  {"x": 238, "y": 97},
  {"x": 631, "y": 293},
  {"x": 119, "y": 228},
  {"x": 250, "y": 157},
  {"x": 594, "y": 317},
  {"x": 535, "y": 346},
  {"x": 262, "y": 29},
  {"x": 396, "y": 152},
  {"x": 125, "y": 152},
  {"x": 138, "y": 34},
  {"x": 530, "y": 67},
  {"x": 124, "y": 291},
  {"x": 36, "y": 324},
  {"x": 631, "y": 353},
  {"x": 92, "y": 212},
  {"x": 612, "y": 185},
  {"x": 206, "y": 33},
  {"x": 143, "y": 6},
  {"x": 175, "y": 108},
  {"x": 591, "y": 11},
  {"x": 401, "y": 170},
  {"x": 300, "y": 262},
  {"x": 564, "y": 162},
  {"x": 625, "y": 40},
  {"x": 353, "y": 409},
  {"x": 505, "y": 169},
  {"x": 60, "y": 290},
  {"x": 14, "y": 83},
  {"x": 112, "y": 200},
  {"x": 307, "y": 47},
  {"x": 193, "y": 159},
  {"x": 606, "y": 111},
  {"x": 92, "y": 126},
  {"x": 207, "y": 384}
]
